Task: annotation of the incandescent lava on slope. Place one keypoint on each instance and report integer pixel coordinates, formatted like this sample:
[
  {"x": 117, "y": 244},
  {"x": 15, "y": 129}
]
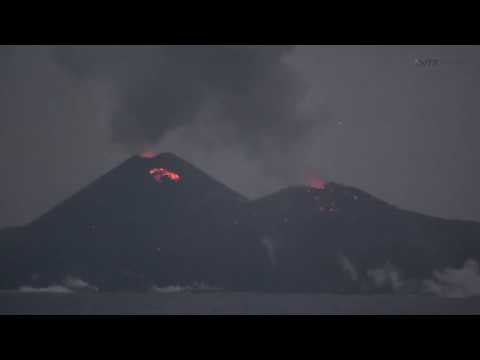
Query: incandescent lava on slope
[{"x": 159, "y": 173}]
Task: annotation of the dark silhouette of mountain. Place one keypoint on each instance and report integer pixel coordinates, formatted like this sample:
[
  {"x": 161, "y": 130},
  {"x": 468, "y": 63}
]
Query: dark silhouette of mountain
[
  {"x": 158, "y": 221},
  {"x": 340, "y": 239},
  {"x": 129, "y": 230}
]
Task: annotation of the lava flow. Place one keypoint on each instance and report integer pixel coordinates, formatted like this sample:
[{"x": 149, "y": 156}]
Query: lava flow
[{"x": 159, "y": 173}]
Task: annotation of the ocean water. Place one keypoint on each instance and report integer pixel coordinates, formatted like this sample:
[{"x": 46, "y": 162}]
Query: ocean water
[{"x": 228, "y": 303}]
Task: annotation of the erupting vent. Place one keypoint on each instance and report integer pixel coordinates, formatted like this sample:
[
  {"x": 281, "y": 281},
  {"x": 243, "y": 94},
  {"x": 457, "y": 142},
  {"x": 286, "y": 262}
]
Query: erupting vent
[
  {"x": 317, "y": 183},
  {"x": 148, "y": 155},
  {"x": 159, "y": 173}
]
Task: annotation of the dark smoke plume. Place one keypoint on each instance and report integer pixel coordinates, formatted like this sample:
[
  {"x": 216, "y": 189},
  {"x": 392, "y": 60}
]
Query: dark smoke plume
[{"x": 246, "y": 94}]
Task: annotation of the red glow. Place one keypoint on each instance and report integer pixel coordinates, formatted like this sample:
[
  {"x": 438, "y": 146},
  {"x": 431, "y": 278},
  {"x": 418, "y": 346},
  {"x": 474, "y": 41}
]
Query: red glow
[
  {"x": 159, "y": 173},
  {"x": 317, "y": 183},
  {"x": 148, "y": 154}
]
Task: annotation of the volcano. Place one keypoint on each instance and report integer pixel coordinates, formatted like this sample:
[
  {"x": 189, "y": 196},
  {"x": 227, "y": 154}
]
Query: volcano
[
  {"x": 343, "y": 240},
  {"x": 151, "y": 221},
  {"x": 157, "y": 221}
]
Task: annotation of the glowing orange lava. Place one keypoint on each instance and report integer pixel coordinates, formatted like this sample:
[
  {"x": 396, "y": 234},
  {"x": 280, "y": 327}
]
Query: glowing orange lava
[
  {"x": 159, "y": 173},
  {"x": 148, "y": 154},
  {"x": 317, "y": 183}
]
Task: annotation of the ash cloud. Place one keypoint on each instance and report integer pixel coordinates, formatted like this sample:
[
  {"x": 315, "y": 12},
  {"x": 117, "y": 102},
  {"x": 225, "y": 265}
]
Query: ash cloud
[{"x": 248, "y": 95}]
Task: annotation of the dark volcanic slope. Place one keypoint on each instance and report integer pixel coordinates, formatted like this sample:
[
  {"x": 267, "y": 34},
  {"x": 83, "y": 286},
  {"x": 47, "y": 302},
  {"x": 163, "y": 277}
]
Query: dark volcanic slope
[
  {"x": 128, "y": 230},
  {"x": 344, "y": 240},
  {"x": 129, "y": 191}
]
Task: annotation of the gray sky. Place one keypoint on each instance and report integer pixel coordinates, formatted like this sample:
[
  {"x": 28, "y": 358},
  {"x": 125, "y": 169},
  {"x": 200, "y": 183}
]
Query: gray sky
[{"x": 256, "y": 118}]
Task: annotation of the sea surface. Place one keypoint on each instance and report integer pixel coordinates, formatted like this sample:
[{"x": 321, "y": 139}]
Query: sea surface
[{"x": 228, "y": 303}]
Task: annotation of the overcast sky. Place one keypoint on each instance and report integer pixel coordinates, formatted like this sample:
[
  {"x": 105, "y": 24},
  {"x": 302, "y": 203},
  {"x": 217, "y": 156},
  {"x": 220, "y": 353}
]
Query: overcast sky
[{"x": 257, "y": 118}]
